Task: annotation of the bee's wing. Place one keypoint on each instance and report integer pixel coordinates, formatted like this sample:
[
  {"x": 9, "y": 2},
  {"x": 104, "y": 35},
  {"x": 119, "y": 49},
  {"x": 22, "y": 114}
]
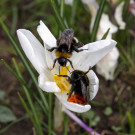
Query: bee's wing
[{"x": 85, "y": 91}]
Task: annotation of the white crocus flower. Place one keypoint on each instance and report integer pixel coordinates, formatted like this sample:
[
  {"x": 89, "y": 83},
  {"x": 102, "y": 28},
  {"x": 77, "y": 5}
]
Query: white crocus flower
[
  {"x": 118, "y": 16},
  {"x": 42, "y": 60},
  {"x": 104, "y": 24}
]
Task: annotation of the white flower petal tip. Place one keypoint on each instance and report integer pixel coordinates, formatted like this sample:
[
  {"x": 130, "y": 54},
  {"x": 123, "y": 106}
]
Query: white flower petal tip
[
  {"x": 69, "y": 2},
  {"x": 108, "y": 64},
  {"x": 32, "y": 48},
  {"x": 118, "y": 16},
  {"x": 46, "y": 35},
  {"x": 72, "y": 106},
  {"x": 105, "y": 23},
  {"x": 47, "y": 85}
]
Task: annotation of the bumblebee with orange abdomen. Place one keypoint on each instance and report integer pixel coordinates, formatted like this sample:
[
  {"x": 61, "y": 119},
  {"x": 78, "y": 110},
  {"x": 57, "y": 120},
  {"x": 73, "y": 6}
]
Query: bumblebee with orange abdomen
[
  {"x": 79, "y": 85},
  {"x": 65, "y": 46}
]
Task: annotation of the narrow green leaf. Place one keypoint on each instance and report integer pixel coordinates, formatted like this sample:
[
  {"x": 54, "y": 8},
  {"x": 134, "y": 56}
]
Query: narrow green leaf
[
  {"x": 26, "y": 91},
  {"x": 14, "y": 18},
  {"x": 12, "y": 123},
  {"x": 131, "y": 122},
  {"x": 73, "y": 11},
  {"x": 6, "y": 115},
  {"x": 97, "y": 20},
  {"x": 27, "y": 109},
  {"x": 12, "y": 71},
  {"x": 60, "y": 21},
  {"x": 105, "y": 35}
]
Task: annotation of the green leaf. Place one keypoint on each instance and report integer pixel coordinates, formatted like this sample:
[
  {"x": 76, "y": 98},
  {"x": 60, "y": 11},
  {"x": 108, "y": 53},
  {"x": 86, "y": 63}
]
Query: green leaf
[
  {"x": 108, "y": 111},
  {"x": 6, "y": 115},
  {"x": 2, "y": 94},
  {"x": 105, "y": 35},
  {"x": 97, "y": 20},
  {"x": 57, "y": 15}
]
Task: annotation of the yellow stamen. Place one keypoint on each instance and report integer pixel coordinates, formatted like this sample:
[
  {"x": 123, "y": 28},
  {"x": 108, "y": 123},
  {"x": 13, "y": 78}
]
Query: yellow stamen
[{"x": 62, "y": 82}]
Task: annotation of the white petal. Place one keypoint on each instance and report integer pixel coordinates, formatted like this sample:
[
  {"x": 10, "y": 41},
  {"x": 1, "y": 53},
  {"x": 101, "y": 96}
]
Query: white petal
[
  {"x": 108, "y": 64},
  {"x": 118, "y": 16},
  {"x": 33, "y": 49},
  {"x": 69, "y": 2},
  {"x": 46, "y": 85},
  {"x": 96, "y": 51},
  {"x": 93, "y": 84},
  {"x": 46, "y": 35},
  {"x": 50, "y": 57},
  {"x": 105, "y": 23},
  {"x": 62, "y": 96},
  {"x": 93, "y": 6}
]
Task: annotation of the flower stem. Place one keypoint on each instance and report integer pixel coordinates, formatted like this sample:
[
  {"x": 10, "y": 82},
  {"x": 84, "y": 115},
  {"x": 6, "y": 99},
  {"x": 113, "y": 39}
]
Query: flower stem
[
  {"x": 80, "y": 122},
  {"x": 50, "y": 114}
]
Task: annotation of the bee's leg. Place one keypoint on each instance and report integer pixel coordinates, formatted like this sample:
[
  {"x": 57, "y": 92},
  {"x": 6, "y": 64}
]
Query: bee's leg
[
  {"x": 71, "y": 91},
  {"x": 50, "y": 50},
  {"x": 65, "y": 76},
  {"x": 54, "y": 63},
  {"x": 71, "y": 63},
  {"x": 88, "y": 70},
  {"x": 79, "y": 50}
]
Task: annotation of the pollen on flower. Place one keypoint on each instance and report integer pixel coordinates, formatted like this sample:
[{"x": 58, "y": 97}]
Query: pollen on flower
[{"x": 62, "y": 82}]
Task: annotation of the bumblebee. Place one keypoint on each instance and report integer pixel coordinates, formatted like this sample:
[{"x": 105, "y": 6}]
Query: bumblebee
[
  {"x": 79, "y": 85},
  {"x": 65, "y": 46}
]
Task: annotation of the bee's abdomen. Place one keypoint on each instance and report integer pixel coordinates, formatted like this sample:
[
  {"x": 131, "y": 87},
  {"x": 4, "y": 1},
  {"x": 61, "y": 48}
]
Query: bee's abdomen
[{"x": 63, "y": 54}]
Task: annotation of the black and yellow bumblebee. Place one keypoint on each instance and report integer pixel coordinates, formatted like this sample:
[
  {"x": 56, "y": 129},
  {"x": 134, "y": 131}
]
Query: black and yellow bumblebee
[
  {"x": 65, "y": 46},
  {"x": 79, "y": 85}
]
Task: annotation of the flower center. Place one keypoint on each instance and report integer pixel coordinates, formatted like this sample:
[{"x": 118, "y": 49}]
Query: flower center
[{"x": 62, "y": 82}]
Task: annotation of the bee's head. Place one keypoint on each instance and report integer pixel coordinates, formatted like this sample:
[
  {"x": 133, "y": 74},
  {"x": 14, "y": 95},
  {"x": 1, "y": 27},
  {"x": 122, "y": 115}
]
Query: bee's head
[
  {"x": 75, "y": 75},
  {"x": 62, "y": 61},
  {"x": 68, "y": 33}
]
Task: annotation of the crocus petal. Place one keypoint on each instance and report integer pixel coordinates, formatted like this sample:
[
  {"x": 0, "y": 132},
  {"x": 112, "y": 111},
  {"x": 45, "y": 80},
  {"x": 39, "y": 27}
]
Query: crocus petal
[
  {"x": 46, "y": 35},
  {"x": 108, "y": 64},
  {"x": 71, "y": 106},
  {"x": 50, "y": 58},
  {"x": 96, "y": 51},
  {"x": 33, "y": 49},
  {"x": 46, "y": 85},
  {"x": 118, "y": 16},
  {"x": 69, "y": 2},
  {"x": 93, "y": 84}
]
